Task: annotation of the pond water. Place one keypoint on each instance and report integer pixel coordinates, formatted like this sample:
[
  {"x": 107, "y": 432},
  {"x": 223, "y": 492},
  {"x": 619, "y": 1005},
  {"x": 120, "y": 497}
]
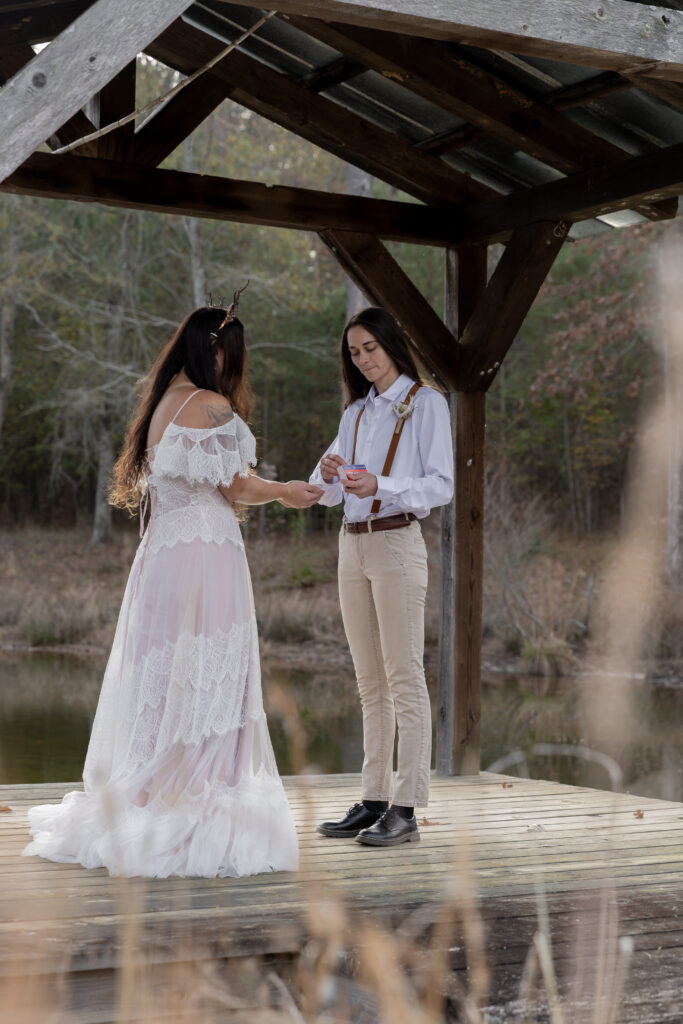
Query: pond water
[{"x": 47, "y": 702}]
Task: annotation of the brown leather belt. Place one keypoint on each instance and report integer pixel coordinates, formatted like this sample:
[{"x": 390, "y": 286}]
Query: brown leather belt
[{"x": 385, "y": 523}]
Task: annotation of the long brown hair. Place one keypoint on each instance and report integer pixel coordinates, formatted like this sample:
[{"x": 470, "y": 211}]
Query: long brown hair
[
  {"x": 389, "y": 335},
  {"x": 193, "y": 349}
]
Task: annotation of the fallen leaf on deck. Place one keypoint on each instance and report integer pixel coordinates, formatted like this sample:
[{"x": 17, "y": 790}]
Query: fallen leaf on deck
[
  {"x": 5, "y": 808},
  {"x": 507, "y": 785},
  {"x": 639, "y": 814},
  {"x": 426, "y": 821}
]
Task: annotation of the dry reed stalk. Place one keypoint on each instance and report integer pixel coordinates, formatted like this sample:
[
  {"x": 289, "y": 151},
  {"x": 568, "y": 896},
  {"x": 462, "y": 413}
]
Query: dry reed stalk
[
  {"x": 380, "y": 965},
  {"x": 628, "y": 604}
]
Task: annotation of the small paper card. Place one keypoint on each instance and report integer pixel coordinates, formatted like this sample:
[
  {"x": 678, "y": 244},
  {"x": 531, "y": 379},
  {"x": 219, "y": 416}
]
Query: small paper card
[{"x": 345, "y": 470}]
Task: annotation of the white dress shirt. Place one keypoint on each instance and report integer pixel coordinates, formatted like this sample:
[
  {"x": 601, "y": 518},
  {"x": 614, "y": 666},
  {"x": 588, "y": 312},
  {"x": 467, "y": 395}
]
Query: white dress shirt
[{"x": 422, "y": 472}]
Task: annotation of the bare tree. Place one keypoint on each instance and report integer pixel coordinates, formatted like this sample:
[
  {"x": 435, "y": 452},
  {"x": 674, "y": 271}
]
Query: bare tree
[
  {"x": 8, "y": 303},
  {"x": 358, "y": 183}
]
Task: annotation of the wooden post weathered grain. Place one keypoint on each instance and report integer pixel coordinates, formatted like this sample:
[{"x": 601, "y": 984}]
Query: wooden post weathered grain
[
  {"x": 470, "y": 422},
  {"x": 458, "y": 700},
  {"x": 76, "y": 65},
  {"x": 445, "y": 692},
  {"x": 514, "y": 285}
]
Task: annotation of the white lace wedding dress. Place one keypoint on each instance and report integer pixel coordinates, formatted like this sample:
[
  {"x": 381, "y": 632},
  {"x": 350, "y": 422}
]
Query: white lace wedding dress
[{"x": 180, "y": 777}]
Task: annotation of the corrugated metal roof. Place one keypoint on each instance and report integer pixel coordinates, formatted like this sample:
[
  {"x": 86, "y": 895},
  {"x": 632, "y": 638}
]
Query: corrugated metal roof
[{"x": 631, "y": 119}]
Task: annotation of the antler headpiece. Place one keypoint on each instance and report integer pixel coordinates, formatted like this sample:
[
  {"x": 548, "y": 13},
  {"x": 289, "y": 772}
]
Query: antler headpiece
[{"x": 232, "y": 310}]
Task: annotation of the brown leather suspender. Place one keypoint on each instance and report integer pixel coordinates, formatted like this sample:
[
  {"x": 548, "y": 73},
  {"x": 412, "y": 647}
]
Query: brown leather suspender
[{"x": 389, "y": 461}]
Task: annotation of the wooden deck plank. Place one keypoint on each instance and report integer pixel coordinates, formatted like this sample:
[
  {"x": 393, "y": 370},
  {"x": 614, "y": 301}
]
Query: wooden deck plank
[{"x": 580, "y": 845}]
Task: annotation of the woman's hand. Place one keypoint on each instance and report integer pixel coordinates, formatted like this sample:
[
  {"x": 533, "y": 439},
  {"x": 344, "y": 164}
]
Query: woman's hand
[
  {"x": 329, "y": 464},
  {"x": 300, "y": 494},
  {"x": 363, "y": 485}
]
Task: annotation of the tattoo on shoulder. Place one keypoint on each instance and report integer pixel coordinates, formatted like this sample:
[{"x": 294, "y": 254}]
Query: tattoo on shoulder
[{"x": 217, "y": 417}]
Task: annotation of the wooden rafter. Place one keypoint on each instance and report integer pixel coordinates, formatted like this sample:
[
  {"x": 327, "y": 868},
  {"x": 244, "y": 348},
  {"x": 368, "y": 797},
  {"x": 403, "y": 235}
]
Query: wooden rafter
[
  {"x": 317, "y": 119},
  {"x": 334, "y": 73},
  {"x": 565, "y": 97},
  {"x": 452, "y": 83},
  {"x": 13, "y": 58},
  {"x": 203, "y": 195},
  {"x": 167, "y": 127},
  {"x": 76, "y": 65},
  {"x": 377, "y": 273},
  {"x": 650, "y": 178},
  {"x": 503, "y": 306},
  {"x": 670, "y": 92},
  {"x": 614, "y": 34},
  {"x": 456, "y": 138},
  {"x": 110, "y": 104}
]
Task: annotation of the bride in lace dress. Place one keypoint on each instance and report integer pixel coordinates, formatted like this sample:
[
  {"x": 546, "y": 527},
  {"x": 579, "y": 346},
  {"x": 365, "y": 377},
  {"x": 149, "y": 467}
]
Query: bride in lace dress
[{"x": 180, "y": 777}]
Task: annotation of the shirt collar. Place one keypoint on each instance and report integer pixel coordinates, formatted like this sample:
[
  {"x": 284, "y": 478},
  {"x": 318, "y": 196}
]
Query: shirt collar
[{"x": 394, "y": 391}]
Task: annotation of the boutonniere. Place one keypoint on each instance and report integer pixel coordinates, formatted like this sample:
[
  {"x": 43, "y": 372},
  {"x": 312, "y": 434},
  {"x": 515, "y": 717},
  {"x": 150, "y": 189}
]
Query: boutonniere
[{"x": 402, "y": 410}]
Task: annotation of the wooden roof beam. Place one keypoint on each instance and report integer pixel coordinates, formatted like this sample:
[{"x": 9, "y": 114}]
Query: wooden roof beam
[
  {"x": 379, "y": 276},
  {"x": 504, "y": 304},
  {"x": 334, "y": 73},
  {"x": 12, "y": 59},
  {"x": 497, "y": 108},
  {"x": 114, "y": 101},
  {"x": 166, "y": 128},
  {"x": 76, "y": 65},
  {"x": 651, "y": 178},
  {"x": 445, "y": 142},
  {"x": 565, "y": 97},
  {"x": 319, "y": 120},
  {"x": 202, "y": 195},
  {"x": 613, "y": 34},
  {"x": 670, "y": 92}
]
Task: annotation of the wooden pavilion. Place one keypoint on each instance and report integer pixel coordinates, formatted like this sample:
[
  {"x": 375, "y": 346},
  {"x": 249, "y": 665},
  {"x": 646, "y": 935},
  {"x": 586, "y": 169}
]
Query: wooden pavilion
[
  {"x": 506, "y": 121},
  {"x": 499, "y": 120}
]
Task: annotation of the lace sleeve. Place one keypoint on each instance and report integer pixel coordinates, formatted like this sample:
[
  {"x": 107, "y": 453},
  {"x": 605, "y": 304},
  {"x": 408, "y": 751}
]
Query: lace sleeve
[{"x": 214, "y": 455}]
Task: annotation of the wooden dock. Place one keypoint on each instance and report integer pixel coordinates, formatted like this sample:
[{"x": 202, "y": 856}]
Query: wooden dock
[{"x": 609, "y": 869}]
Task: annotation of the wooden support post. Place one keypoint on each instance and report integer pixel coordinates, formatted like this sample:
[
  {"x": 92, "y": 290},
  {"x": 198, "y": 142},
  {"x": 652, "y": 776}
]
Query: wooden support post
[
  {"x": 110, "y": 104},
  {"x": 458, "y": 689},
  {"x": 469, "y": 570},
  {"x": 514, "y": 285}
]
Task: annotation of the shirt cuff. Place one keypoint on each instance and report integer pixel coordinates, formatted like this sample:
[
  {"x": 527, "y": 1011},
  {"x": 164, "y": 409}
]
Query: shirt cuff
[{"x": 386, "y": 487}]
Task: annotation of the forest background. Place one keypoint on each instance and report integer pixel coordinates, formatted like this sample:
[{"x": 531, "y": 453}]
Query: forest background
[{"x": 89, "y": 295}]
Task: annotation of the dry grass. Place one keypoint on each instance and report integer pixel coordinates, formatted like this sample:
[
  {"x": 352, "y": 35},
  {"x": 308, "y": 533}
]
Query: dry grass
[{"x": 540, "y": 592}]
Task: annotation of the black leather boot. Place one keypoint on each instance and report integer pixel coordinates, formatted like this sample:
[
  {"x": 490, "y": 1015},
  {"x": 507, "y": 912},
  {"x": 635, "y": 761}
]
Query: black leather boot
[
  {"x": 356, "y": 818},
  {"x": 390, "y": 830}
]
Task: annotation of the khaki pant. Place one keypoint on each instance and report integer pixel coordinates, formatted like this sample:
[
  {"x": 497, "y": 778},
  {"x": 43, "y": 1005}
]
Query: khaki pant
[{"x": 382, "y": 589}]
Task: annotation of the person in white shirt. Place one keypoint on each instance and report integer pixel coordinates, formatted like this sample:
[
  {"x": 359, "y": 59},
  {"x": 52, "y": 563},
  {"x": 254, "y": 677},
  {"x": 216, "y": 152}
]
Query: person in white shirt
[{"x": 397, "y": 432}]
